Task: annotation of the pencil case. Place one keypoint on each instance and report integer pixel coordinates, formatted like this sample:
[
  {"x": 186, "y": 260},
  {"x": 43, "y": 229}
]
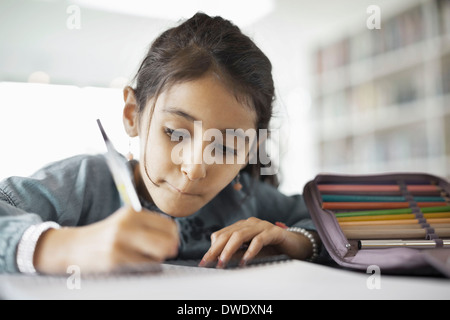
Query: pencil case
[{"x": 399, "y": 222}]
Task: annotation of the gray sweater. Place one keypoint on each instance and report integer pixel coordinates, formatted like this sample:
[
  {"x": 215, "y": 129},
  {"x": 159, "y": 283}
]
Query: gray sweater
[{"x": 80, "y": 190}]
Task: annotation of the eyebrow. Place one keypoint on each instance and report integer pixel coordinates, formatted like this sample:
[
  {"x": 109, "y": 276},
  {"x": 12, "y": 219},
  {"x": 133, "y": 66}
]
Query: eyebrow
[{"x": 178, "y": 112}]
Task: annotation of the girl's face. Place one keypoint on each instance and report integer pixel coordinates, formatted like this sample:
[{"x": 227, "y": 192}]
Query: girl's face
[{"x": 176, "y": 147}]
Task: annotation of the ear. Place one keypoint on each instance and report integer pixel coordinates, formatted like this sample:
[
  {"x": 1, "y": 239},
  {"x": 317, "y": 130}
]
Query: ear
[{"x": 130, "y": 112}]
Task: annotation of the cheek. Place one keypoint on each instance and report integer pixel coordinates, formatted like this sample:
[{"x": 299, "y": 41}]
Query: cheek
[
  {"x": 157, "y": 152},
  {"x": 220, "y": 175}
]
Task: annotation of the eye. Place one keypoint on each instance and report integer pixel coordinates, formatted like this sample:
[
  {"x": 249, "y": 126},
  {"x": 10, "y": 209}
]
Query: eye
[
  {"x": 176, "y": 135},
  {"x": 168, "y": 131},
  {"x": 229, "y": 150}
]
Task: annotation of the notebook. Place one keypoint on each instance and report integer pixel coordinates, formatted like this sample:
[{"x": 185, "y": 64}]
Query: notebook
[{"x": 277, "y": 280}]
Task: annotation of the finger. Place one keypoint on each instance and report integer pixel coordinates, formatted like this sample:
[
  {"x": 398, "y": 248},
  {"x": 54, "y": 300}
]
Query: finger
[
  {"x": 129, "y": 261},
  {"x": 226, "y": 231},
  {"x": 214, "y": 251},
  {"x": 234, "y": 243},
  {"x": 219, "y": 240},
  {"x": 155, "y": 244},
  {"x": 253, "y": 249},
  {"x": 145, "y": 228},
  {"x": 241, "y": 231},
  {"x": 157, "y": 221},
  {"x": 260, "y": 241}
]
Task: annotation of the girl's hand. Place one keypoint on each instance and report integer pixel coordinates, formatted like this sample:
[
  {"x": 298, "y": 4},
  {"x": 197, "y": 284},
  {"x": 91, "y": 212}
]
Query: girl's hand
[
  {"x": 124, "y": 239},
  {"x": 258, "y": 233}
]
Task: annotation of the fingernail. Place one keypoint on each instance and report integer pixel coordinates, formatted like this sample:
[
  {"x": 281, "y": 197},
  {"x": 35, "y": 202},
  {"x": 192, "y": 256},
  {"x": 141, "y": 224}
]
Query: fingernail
[
  {"x": 243, "y": 262},
  {"x": 202, "y": 263},
  {"x": 220, "y": 264}
]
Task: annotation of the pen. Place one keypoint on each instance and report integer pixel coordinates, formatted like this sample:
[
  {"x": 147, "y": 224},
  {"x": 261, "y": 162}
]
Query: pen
[{"x": 121, "y": 173}]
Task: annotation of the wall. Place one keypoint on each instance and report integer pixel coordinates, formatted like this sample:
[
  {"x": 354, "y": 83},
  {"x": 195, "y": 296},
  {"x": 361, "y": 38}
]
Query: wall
[{"x": 87, "y": 68}]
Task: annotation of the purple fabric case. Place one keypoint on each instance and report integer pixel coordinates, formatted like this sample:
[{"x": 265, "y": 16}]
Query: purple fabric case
[{"x": 346, "y": 253}]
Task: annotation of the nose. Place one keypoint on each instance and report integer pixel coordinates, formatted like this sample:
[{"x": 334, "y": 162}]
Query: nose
[
  {"x": 194, "y": 171},
  {"x": 193, "y": 165}
]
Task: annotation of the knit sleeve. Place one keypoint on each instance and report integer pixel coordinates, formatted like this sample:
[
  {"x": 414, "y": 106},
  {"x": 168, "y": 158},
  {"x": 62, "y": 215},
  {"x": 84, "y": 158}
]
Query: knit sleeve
[{"x": 72, "y": 192}]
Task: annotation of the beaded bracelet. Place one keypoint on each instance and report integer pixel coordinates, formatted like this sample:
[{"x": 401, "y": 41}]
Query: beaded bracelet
[
  {"x": 308, "y": 235},
  {"x": 27, "y": 245}
]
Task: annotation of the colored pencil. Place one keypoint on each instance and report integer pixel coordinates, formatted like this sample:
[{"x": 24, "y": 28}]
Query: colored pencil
[
  {"x": 361, "y": 198},
  {"x": 407, "y": 216},
  {"x": 377, "y": 198},
  {"x": 378, "y": 189},
  {"x": 395, "y": 226},
  {"x": 375, "y": 205},
  {"x": 375, "y": 187},
  {"x": 422, "y": 187},
  {"x": 358, "y": 187},
  {"x": 382, "y": 233},
  {"x": 388, "y": 212},
  {"x": 430, "y": 199},
  {"x": 392, "y": 211},
  {"x": 393, "y": 222}
]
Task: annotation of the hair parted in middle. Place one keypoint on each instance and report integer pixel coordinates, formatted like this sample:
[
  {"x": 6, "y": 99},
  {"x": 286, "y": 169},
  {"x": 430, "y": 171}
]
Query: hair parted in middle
[{"x": 205, "y": 44}]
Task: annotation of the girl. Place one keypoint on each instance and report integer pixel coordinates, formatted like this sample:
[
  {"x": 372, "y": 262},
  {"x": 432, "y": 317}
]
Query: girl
[{"x": 205, "y": 71}]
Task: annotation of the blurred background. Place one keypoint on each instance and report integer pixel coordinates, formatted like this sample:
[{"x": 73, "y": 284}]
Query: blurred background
[{"x": 362, "y": 86}]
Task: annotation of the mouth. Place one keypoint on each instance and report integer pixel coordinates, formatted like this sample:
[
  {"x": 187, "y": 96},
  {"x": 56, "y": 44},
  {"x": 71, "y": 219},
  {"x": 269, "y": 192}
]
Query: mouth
[{"x": 172, "y": 187}]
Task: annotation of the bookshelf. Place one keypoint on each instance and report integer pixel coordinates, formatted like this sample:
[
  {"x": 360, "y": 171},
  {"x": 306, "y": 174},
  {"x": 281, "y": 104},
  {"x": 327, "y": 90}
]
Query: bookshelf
[{"x": 382, "y": 97}]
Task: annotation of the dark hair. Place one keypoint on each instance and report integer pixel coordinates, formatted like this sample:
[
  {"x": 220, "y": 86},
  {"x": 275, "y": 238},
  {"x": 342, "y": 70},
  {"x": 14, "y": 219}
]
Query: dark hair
[{"x": 203, "y": 44}]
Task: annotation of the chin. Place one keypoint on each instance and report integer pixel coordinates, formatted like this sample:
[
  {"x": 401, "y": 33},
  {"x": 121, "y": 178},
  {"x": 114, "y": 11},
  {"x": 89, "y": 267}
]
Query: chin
[
  {"x": 178, "y": 209},
  {"x": 174, "y": 203},
  {"x": 176, "y": 212}
]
